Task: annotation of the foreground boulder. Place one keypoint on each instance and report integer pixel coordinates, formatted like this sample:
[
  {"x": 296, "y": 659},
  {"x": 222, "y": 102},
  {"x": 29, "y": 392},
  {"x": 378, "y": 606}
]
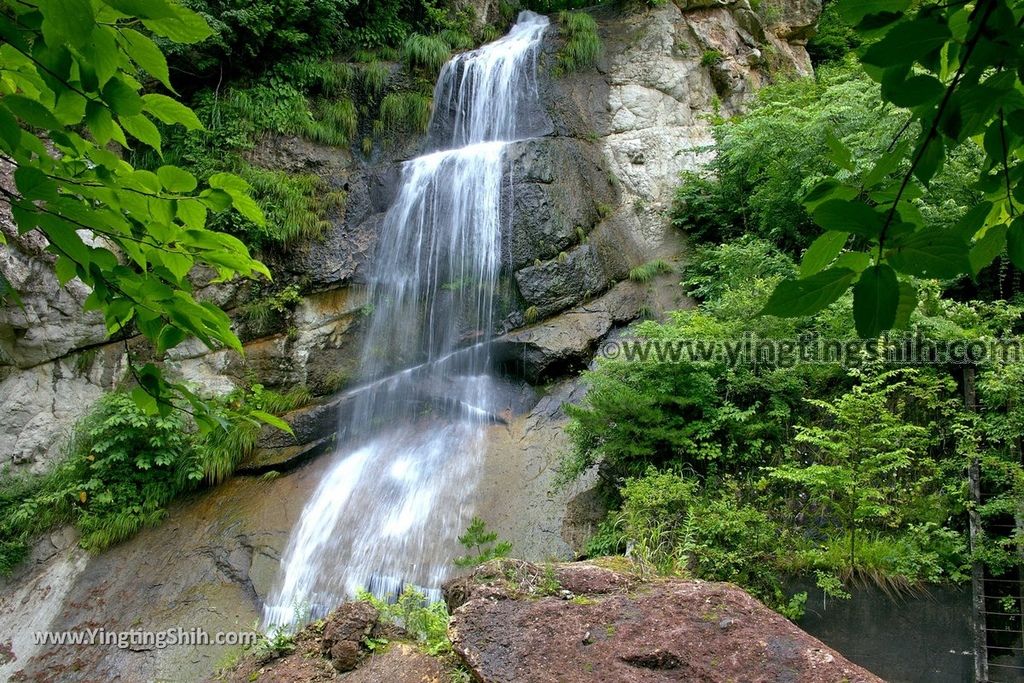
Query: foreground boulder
[
  {"x": 515, "y": 621},
  {"x": 352, "y": 644}
]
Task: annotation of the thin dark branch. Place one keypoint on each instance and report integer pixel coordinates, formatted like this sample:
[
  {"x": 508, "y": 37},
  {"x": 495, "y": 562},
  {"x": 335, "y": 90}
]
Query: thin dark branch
[{"x": 933, "y": 130}]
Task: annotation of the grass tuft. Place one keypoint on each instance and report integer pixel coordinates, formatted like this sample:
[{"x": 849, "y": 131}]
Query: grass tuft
[
  {"x": 426, "y": 53},
  {"x": 407, "y": 112},
  {"x": 648, "y": 271},
  {"x": 582, "y": 44},
  {"x": 374, "y": 77}
]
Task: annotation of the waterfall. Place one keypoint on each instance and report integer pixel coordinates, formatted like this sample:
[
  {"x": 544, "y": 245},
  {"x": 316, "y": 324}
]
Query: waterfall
[{"x": 389, "y": 510}]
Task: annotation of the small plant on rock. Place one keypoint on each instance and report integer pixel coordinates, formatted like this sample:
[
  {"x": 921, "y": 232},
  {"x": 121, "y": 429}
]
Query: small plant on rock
[{"x": 483, "y": 545}]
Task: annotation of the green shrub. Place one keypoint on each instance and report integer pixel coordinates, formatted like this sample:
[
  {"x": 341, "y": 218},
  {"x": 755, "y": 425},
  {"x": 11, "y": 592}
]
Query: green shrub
[
  {"x": 335, "y": 122},
  {"x": 674, "y": 525},
  {"x": 296, "y": 207},
  {"x": 124, "y": 466},
  {"x": 426, "y": 622},
  {"x": 767, "y": 160},
  {"x": 458, "y": 40},
  {"x": 834, "y": 39}
]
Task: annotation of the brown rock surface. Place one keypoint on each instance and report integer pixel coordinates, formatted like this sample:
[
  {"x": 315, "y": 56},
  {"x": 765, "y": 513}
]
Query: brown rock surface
[{"x": 597, "y": 624}]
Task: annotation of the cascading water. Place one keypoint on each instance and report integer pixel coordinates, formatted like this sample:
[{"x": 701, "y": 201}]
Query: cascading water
[{"x": 390, "y": 509}]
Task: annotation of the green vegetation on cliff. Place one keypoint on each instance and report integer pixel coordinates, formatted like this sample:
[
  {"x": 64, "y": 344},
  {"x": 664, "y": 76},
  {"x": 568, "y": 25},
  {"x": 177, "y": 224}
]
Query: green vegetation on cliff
[{"x": 124, "y": 467}]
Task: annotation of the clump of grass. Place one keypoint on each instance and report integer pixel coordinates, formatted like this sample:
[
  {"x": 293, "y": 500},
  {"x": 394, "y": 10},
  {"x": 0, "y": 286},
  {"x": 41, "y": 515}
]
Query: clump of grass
[
  {"x": 280, "y": 109},
  {"x": 374, "y": 77},
  {"x": 336, "y": 78},
  {"x": 711, "y": 58},
  {"x": 295, "y": 205},
  {"x": 582, "y": 44},
  {"x": 649, "y": 270},
  {"x": 406, "y": 112},
  {"x": 530, "y": 315},
  {"x": 489, "y": 33},
  {"x": 221, "y": 452},
  {"x": 325, "y": 77},
  {"x": 335, "y": 122},
  {"x": 458, "y": 40},
  {"x": 428, "y": 53}
]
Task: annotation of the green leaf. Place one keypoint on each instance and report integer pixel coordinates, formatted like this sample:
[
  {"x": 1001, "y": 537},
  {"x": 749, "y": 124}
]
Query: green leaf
[
  {"x": 856, "y": 261},
  {"x": 239, "y": 190},
  {"x": 844, "y": 215},
  {"x": 170, "y": 111},
  {"x": 930, "y": 253},
  {"x": 70, "y": 109},
  {"x": 987, "y": 248},
  {"x": 932, "y": 158},
  {"x": 875, "y": 300},
  {"x": 122, "y": 98},
  {"x": 839, "y": 153},
  {"x": 142, "y": 129},
  {"x": 100, "y": 122},
  {"x": 973, "y": 221},
  {"x": 906, "y": 306},
  {"x": 1015, "y": 242},
  {"x": 147, "y": 55},
  {"x": 169, "y": 337},
  {"x": 175, "y": 179},
  {"x": 192, "y": 213},
  {"x": 794, "y": 298},
  {"x": 31, "y": 112},
  {"x": 885, "y": 165},
  {"x": 10, "y": 131},
  {"x": 914, "y": 91},
  {"x": 106, "y": 58},
  {"x": 67, "y": 21},
  {"x": 271, "y": 420},
  {"x": 822, "y": 252},
  {"x": 907, "y": 42},
  {"x": 853, "y": 11},
  {"x": 145, "y": 9},
  {"x": 829, "y": 188},
  {"x": 184, "y": 27}
]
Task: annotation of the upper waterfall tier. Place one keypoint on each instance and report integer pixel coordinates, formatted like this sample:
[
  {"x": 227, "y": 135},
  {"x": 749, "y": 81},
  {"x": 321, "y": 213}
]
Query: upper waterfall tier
[{"x": 480, "y": 95}]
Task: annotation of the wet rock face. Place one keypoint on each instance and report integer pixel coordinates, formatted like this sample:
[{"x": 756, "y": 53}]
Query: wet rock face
[
  {"x": 608, "y": 625},
  {"x": 557, "y": 188},
  {"x": 566, "y": 342}
]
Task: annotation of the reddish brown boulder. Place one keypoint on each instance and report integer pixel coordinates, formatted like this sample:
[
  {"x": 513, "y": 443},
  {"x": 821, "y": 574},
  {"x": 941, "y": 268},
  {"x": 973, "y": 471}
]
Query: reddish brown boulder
[
  {"x": 344, "y": 632},
  {"x": 592, "y": 624}
]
